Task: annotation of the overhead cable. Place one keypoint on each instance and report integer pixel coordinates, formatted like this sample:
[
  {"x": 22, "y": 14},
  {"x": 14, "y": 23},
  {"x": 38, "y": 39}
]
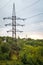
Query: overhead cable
[
  {"x": 5, "y": 4},
  {"x": 34, "y": 16},
  {"x": 29, "y": 6}
]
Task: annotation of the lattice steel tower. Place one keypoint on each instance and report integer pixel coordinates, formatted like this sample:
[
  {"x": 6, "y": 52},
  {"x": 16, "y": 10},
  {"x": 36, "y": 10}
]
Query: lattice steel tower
[{"x": 14, "y": 24}]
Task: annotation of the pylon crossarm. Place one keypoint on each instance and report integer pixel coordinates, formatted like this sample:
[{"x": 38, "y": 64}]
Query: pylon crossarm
[
  {"x": 13, "y": 18},
  {"x": 21, "y": 18},
  {"x": 19, "y": 31},
  {"x": 20, "y": 25},
  {"x": 9, "y": 24},
  {"x": 7, "y": 18},
  {"x": 13, "y": 31}
]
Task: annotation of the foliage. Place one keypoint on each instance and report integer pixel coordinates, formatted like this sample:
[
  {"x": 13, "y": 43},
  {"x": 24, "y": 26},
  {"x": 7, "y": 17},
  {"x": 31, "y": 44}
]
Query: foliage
[{"x": 22, "y": 52}]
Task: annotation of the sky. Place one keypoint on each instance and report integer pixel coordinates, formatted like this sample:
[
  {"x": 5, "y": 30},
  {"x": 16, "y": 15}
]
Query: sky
[{"x": 25, "y": 9}]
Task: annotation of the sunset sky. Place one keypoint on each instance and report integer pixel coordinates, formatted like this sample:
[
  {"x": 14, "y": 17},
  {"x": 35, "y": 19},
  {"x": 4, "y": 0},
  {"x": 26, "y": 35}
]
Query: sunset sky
[{"x": 32, "y": 10}]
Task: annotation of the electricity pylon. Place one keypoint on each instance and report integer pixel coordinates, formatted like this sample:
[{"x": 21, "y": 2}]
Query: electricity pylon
[
  {"x": 14, "y": 24},
  {"x": 14, "y": 30}
]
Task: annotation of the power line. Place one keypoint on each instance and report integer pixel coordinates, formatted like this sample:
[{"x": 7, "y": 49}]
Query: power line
[
  {"x": 5, "y": 4},
  {"x": 29, "y": 6},
  {"x": 23, "y": 8},
  {"x": 34, "y": 15}
]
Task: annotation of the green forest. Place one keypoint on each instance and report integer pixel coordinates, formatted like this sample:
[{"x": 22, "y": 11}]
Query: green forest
[{"x": 21, "y": 51}]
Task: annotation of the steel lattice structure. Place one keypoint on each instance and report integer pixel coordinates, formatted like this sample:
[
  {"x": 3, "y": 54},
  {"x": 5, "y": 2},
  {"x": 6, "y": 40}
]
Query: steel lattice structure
[{"x": 14, "y": 24}]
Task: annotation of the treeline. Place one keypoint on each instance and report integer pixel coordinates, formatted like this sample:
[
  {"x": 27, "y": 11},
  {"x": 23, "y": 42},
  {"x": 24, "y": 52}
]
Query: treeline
[{"x": 21, "y": 51}]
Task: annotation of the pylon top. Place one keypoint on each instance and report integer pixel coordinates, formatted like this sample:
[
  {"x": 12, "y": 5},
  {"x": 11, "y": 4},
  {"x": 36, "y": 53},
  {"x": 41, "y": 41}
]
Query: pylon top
[{"x": 13, "y": 13}]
